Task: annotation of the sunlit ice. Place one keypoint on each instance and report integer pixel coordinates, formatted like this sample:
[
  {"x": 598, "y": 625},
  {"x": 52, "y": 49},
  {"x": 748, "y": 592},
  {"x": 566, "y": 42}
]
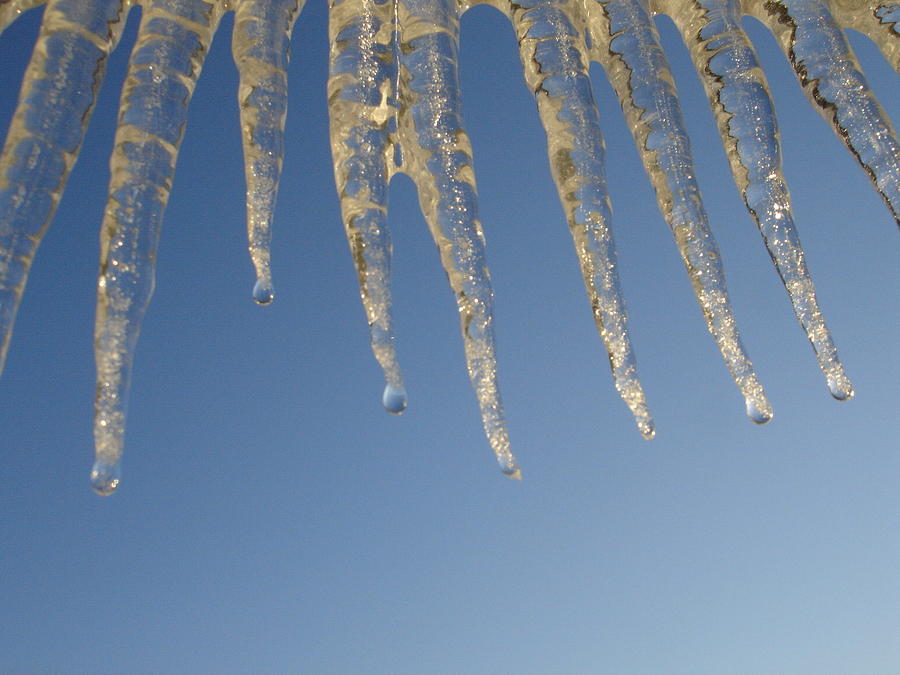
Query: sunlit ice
[{"x": 396, "y": 107}]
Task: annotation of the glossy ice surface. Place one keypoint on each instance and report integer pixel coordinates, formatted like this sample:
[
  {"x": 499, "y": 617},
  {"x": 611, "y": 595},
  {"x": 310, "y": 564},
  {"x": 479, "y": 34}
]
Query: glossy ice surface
[{"x": 395, "y": 107}]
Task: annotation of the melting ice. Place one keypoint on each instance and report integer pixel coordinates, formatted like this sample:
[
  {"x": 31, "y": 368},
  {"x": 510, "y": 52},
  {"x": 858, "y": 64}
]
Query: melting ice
[{"x": 395, "y": 107}]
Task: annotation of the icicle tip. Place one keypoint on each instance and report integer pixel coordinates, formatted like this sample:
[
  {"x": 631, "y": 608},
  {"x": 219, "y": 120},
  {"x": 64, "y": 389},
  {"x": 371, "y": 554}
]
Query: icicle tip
[
  {"x": 394, "y": 399},
  {"x": 105, "y": 477},
  {"x": 645, "y": 425},
  {"x": 759, "y": 410},
  {"x": 263, "y": 293},
  {"x": 510, "y": 468},
  {"x": 840, "y": 387}
]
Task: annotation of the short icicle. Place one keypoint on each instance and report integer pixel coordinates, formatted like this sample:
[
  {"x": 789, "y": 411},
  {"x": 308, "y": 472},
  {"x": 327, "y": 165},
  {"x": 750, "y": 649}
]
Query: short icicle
[
  {"x": 440, "y": 163},
  {"x": 57, "y": 98},
  {"x": 626, "y": 43},
  {"x": 553, "y": 53},
  {"x": 363, "y": 109},
  {"x": 173, "y": 40},
  {"x": 739, "y": 96},
  {"x": 261, "y": 49},
  {"x": 834, "y": 83}
]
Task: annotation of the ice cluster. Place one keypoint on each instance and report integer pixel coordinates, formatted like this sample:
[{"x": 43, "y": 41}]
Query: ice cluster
[{"x": 394, "y": 101}]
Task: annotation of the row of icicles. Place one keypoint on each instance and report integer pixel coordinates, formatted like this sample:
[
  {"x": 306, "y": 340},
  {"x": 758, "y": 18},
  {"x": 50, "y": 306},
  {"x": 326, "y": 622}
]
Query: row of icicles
[{"x": 395, "y": 107}]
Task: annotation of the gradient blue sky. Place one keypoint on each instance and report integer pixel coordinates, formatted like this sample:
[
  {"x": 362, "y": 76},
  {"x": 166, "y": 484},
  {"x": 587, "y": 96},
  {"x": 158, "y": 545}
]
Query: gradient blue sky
[{"x": 273, "y": 518}]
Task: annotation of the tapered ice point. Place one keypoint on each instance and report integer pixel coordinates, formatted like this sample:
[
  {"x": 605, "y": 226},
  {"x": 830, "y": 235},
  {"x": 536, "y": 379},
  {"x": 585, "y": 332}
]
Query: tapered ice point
[
  {"x": 440, "y": 162},
  {"x": 363, "y": 109},
  {"x": 758, "y": 408},
  {"x": 394, "y": 93},
  {"x": 394, "y": 398},
  {"x": 105, "y": 477},
  {"x": 172, "y": 42},
  {"x": 628, "y": 45},
  {"x": 738, "y": 93},
  {"x": 261, "y": 49},
  {"x": 263, "y": 293},
  {"x": 840, "y": 386},
  {"x": 629, "y": 387},
  {"x": 552, "y": 48},
  {"x": 510, "y": 469}
]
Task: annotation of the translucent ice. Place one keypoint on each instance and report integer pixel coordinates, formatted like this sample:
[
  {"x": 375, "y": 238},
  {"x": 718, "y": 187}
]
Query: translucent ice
[
  {"x": 395, "y": 106},
  {"x": 173, "y": 39},
  {"x": 42, "y": 144}
]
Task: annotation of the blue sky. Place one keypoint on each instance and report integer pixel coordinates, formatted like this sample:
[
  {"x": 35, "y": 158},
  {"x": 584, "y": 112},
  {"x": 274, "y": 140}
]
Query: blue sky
[{"x": 273, "y": 518}]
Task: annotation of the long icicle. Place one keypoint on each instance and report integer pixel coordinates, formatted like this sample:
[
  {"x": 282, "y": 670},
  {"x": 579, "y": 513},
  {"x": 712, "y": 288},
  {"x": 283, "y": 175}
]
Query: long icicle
[
  {"x": 172, "y": 42},
  {"x": 627, "y": 45},
  {"x": 363, "y": 113},
  {"x": 739, "y": 96},
  {"x": 261, "y": 48},
  {"x": 58, "y": 94},
  {"x": 834, "y": 83},
  {"x": 440, "y": 156},
  {"x": 553, "y": 54}
]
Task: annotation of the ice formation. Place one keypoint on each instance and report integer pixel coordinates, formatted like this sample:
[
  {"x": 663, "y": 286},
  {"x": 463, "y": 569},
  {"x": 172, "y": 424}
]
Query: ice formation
[{"x": 395, "y": 107}]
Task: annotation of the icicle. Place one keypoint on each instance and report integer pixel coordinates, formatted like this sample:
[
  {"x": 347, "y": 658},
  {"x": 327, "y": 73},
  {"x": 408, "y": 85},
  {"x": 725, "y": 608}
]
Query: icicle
[
  {"x": 833, "y": 81},
  {"x": 11, "y": 9},
  {"x": 172, "y": 43},
  {"x": 631, "y": 54},
  {"x": 261, "y": 47},
  {"x": 739, "y": 96},
  {"x": 553, "y": 54},
  {"x": 880, "y": 21},
  {"x": 58, "y": 94},
  {"x": 440, "y": 163},
  {"x": 394, "y": 99},
  {"x": 363, "y": 109}
]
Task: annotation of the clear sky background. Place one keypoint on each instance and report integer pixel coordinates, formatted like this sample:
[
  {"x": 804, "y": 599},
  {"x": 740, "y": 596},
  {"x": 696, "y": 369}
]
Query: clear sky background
[{"x": 273, "y": 518}]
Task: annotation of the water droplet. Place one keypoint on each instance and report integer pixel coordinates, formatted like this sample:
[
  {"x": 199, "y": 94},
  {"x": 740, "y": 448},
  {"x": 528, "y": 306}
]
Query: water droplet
[
  {"x": 105, "y": 477},
  {"x": 840, "y": 387},
  {"x": 394, "y": 399},
  {"x": 759, "y": 411},
  {"x": 509, "y": 467},
  {"x": 263, "y": 292}
]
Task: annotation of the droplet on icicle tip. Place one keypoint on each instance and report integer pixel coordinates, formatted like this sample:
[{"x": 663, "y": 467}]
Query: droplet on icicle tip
[
  {"x": 105, "y": 477},
  {"x": 510, "y": 467},
  {"x": 759, "y": 412},
  {"x": 263, "y": 293},
  {"x": 394, "y": 399},
  {"x": 840, "y": 387}
]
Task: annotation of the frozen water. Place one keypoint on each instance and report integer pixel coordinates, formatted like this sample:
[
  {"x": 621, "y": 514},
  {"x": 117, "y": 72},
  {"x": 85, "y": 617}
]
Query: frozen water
[{"x": 395, "y": 107}]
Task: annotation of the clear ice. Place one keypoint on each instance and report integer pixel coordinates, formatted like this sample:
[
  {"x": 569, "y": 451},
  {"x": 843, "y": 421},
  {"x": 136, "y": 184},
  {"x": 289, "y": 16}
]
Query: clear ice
[{"x": 395, "y": 107}]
